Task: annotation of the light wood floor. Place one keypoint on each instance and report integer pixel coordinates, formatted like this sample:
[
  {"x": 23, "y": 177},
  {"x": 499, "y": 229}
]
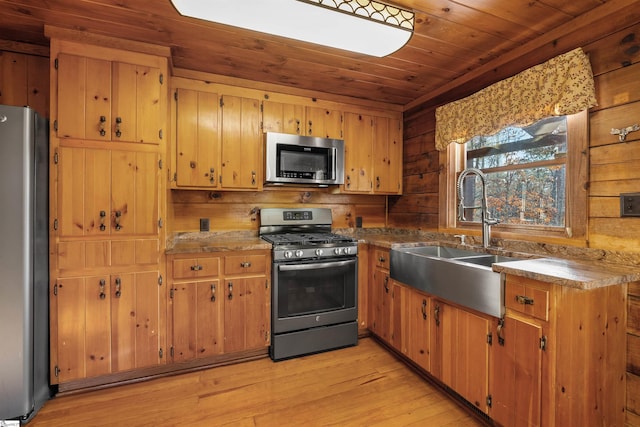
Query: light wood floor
[{"x": 357, "y": 386}]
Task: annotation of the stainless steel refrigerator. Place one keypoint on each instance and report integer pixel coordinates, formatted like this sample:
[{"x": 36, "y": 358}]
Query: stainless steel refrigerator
[{"x": 24, "y": 262}]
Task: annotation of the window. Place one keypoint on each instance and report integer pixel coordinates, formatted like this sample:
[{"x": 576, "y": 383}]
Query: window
[
  {"x": 535, "y": 178},
  {"x": 526, "y": 172}
]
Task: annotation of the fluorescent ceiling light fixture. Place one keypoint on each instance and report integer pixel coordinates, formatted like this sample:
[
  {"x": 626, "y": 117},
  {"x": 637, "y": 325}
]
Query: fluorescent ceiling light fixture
[{"x": 363, "y": 26}]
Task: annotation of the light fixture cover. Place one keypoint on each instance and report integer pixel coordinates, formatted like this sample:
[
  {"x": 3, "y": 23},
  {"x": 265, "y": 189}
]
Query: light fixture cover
[{"x": 363, "y": 26}]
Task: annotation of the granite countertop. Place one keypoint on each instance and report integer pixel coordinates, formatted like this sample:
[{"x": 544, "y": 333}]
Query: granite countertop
[
  {"x": 580, "y": 268},
  {"x": 187, "y": 243}
]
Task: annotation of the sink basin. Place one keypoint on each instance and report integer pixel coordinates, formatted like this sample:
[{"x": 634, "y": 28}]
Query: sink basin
[
  {"x": 486, "y": 260},
  {"x": 439, "y": 251},
  {"x": 461, "y": 276}
]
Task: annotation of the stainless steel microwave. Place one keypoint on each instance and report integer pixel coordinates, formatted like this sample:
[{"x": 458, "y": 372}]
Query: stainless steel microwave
[{"x": 308, "y": 160}]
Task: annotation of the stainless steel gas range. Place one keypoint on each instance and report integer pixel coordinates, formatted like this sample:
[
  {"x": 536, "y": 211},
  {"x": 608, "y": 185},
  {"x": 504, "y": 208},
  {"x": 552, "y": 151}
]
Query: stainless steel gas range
[{"x": 314, "y": 283}]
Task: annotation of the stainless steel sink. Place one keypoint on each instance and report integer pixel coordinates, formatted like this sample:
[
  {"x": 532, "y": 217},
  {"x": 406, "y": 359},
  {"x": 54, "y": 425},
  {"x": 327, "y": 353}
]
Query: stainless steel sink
[
  {"x": 461, "y": 276},
  {"x": 439, "y": 251}
]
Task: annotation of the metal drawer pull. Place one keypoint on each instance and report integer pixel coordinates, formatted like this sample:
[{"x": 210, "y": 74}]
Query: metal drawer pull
[
  {"x": 382, "y": 259},
  {"x": 424, "y": 309},
  {"x": 245, "y": 264},
  {"x": 196, "y": 267},
  {"x": 213, "y": 293},
  {"x": 521, "y": 299},
  {"x": 230, "y": 286}
]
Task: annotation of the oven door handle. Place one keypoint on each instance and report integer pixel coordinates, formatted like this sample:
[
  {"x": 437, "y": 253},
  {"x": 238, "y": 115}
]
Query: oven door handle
[{"x": 314, "y": 266}]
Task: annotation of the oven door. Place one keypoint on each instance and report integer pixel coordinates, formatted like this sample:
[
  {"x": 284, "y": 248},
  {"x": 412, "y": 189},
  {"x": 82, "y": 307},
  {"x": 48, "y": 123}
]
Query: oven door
[{"x": 314, "y": 293}]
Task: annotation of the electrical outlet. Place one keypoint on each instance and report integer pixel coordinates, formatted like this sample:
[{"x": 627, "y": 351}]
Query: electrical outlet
[
  {"x": 630, "y": 204},
  {"x": 204, "y": 224},
  {"x": 358, "y": 222}
]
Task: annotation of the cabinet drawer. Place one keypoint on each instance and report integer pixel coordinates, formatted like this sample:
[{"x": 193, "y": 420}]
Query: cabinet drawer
[
  {"x": 188, "y": 268},
  {"x": 245, "y": 264},
  {"x": 528, "y": 296},
  {"x": 381, "y": 258}
]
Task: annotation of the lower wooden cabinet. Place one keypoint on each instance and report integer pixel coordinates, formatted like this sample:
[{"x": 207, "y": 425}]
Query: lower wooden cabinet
[
  {"x": 105, "y": 324},
  {"x": 219, "y": 303},
  {"x": 557, "y": 357},
  {"x": 460, "y": 350}
]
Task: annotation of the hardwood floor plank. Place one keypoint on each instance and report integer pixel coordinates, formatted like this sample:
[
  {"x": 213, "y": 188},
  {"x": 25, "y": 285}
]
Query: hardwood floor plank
[{"x": 356, "y": 386}]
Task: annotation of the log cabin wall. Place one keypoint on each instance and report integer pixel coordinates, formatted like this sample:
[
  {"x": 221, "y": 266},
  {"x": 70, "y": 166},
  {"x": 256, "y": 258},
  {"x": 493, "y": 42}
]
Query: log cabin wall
[
  {"x": 614, "y": 169},
  {"x": 24, "y": 77},
  {"x": 229, "y": 210}
]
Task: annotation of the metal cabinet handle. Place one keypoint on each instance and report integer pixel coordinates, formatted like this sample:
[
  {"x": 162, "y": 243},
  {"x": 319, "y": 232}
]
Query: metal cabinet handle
[
  {"x": 103, "y": 216},
  {"x": 212, "y": 176},
  {"x": 253, "y": 177},
  {"x": 118, "y": 215},
  {"x": 436, "y": 314},
  {"x": 245, "y": 264},
  {"x": 118, "y": 130},
  {"x": 118, "y": 287},
  {"x": 103, "y": 120},
  {"x": 192, "y": 164},
  {"x": 196, "y": 267},
  {"x": 103, "y": 283},
  {"x": 424, "y": 309},
  {"x": 377, "y": 182},
  {"x": 386, "y": 284},
  {"x": 382, "y": 259},
  {"x": 213, "y": 292},
  {"x": 524, "y": 300},
  {"x": 230, "y": 287},
  {"x": 499, "y": 331}
]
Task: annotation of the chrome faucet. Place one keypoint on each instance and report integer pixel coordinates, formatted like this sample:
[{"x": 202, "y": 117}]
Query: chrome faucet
[{"x": 485, "y": 218}]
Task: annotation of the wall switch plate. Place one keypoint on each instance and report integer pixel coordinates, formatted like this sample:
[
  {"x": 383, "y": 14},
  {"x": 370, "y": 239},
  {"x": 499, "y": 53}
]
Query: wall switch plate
[
  {"x": 358, "y": 222},
  {"x": 630, "y": 204},
  {"x": 204, "y": 224}
]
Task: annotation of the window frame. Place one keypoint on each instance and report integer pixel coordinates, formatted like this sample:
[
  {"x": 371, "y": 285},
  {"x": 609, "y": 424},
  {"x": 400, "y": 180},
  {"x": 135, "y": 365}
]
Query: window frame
[{"x": 453, "y": 160}]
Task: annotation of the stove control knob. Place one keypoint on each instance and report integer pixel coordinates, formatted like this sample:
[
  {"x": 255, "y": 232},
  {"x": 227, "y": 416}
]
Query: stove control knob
[
  {"x": 299, "y": 253},
  {"x": 336, "y": 251},
  {"x": 288, "y": 254},
  {"x": 346, "y": 251},
  {"x": 319, "y": 252}
]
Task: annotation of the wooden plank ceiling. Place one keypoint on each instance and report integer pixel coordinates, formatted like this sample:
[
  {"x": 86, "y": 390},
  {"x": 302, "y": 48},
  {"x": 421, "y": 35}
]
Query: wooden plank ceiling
[{"x": 451, "y": 39}]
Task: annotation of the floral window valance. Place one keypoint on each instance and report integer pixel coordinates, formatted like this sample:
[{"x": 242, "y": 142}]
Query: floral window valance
[{"x": 561, "y": 86}]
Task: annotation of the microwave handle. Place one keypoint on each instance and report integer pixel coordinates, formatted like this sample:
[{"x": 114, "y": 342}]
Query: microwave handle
[{"x": 315, "y": 266}]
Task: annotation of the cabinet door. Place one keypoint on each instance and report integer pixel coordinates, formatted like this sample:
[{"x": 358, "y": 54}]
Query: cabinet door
[
  {"x": 246, "y": 314},
  {"x": 417, "y": 334},
  {"x": 83, "y": 328},
  {"x": 196, "y": 320},
  {"x": 282, "y": 118},
  {"x": 84, "y": 98},
  {"x": 387, "y": 155},
  {"x": 241, "y": 143},
  {"x": 516, "y": 373},
  {"x": 135, "y": 320},
  {"x": 397, "y": 326},
  {"x": 198, "y": 139},
  {"x": 84, "y": 192},
  {"x": 324, "y": 123},
  {"x": 358, "y": 136},
  {"x": 471, "y": 379},
  {"x": 381, "y": 304},
  {"x": 134, "y": 187},
  {"x": 137, "y": 103}
]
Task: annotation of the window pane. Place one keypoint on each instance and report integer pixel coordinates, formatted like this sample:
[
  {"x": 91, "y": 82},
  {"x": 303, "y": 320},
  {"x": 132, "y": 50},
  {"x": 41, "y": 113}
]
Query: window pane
[
  {"x": 544, "y": 140},
  {"x": 526, "y": 174}
]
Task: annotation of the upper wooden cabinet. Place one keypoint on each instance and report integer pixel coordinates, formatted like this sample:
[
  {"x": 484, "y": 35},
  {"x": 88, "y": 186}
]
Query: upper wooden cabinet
[
  {"x": 218, "y": 141},
  {"x": 106, "y": 100},
  {"x": 373, "y": 154},
  {"x": 197, "y": 138},
  {"x": 241, "y": 154},
  {"x": 107, "y": 192},
  {"x": 324, "y": 123},
  {"x": 283, "y": 118}
]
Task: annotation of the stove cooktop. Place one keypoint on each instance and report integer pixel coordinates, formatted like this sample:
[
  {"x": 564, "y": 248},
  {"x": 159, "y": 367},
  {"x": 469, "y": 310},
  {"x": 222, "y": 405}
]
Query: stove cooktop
[{"x": 307, "y": 239}]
